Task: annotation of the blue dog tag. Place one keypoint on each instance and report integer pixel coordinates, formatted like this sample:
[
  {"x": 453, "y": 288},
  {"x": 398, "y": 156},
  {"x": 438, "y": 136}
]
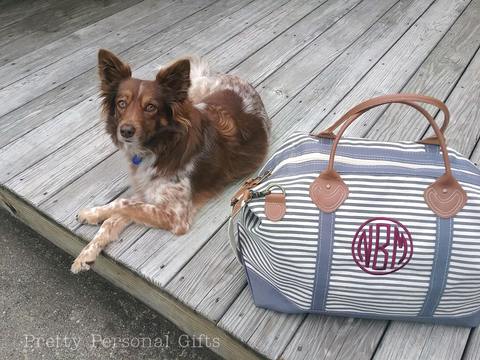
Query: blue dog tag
[{"x": 136, "y": 160}]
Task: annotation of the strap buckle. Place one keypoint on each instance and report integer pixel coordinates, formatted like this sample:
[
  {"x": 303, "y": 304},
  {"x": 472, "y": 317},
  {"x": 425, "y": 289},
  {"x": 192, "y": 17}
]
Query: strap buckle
[
  {"x": 267, "y": 191},
  {"x": 244, "y": 194}
]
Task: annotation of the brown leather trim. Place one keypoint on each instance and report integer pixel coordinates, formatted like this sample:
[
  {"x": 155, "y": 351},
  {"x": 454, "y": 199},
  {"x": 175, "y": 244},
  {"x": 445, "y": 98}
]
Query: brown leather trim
[
  {"x": 244, "y": 194},
  {"x": 445, "y": 196},
  {"x": 275, "y": 206},
  {"x": 407, "y": 99},
  {"x": 328, "y": 191}
]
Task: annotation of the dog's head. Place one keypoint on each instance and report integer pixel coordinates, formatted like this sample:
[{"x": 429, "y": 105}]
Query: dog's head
[{"x": 142, "y": 113}]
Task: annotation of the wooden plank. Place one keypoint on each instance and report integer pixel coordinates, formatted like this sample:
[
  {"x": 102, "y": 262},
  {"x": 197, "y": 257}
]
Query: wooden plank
[
  {"x": 204, "y": 31},
  {"x": 46, "y": 107},
  {"x": 82, "y": 88},
  {"x": 64, "y": 97},
  {"x": 95, "y": 189},
  {"x": 297, "y": 36},
  {"x": 273, "y": 333},
  {"x": 83, "y": 58},
  {"x": 13, "y": 11},
  {"x": 246, "y": 319},
  {"x": 437, "y": 77},
  {"x": 414, "y": 334},
  {"x": 332, "y": 337},
  {"x": 463, "y": 131},
  {"x": 51, "y": 173},
  {"x": 438, "y": 11},
  {"x": 46, "y": 138},
  {"x": 33, "y": 22},
  {"x": 214, "y": 289},
  {"x": 50, "y": 104},
  {"x": 254, "y": 326},
  {"x": 425, "y": 342},
  {"x": 405, "y": 16},
  {"x": 395, "y": 69},
  {"x": 38, "y": 143},
  {"x": 47, "y": 26},
  {"x": 51, "y": 53},
  {"x": 472, "y": 350},
  {"x": 292, "y": 60},
  {"x": 18, "y": 122},
  {"x": 182, "y": 316},
  {"x": 476, "y": 155}
]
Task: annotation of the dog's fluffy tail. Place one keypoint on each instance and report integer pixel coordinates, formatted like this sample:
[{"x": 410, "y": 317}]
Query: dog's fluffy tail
[{"x": 198, "y": 67}]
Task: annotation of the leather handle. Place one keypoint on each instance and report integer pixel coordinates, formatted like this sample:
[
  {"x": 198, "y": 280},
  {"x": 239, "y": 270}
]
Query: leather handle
[
  {"x": 445, "y": 197},
  {"x": 407, "y": 99}
]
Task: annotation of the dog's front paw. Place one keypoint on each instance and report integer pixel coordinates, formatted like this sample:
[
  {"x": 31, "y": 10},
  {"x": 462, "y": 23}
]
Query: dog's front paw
[
  {"x": 89, "y": 216},
  {"x": 79, "y": 266},
  {"x": 83, "y": 261}
]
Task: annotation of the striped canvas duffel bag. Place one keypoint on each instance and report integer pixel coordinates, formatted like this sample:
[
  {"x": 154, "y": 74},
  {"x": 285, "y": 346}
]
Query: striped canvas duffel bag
[{"x": 362, "y": 228}]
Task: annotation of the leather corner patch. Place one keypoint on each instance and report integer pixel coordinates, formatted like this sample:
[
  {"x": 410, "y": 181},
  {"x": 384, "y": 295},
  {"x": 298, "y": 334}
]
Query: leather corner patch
[
  {"x": 328, "y": 192},
  {"x": 275, "y": 206},
  {"x": 445, "y": 197}
]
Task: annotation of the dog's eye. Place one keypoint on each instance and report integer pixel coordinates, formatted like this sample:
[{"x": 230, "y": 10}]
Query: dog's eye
[
  {"x": 122, "y": 104},
  {"x": 150, "y": 108}
]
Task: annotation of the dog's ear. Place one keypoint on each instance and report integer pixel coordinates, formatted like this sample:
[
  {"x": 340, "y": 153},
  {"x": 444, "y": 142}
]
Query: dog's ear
[
  {"x": 111, "y": 70},
  {"x": 175, "y": 80}
]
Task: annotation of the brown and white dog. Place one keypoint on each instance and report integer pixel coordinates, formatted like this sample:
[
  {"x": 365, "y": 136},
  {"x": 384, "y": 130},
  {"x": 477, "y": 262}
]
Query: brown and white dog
[{"x": 186, "y": 134}]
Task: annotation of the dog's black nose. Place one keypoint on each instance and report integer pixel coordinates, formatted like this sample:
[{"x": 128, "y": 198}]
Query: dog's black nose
[{"x": 127, "y": 130}]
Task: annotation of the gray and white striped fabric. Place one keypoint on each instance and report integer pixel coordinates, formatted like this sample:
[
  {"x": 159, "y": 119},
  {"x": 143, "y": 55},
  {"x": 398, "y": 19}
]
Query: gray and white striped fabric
[{"x": 420, "y": 267}]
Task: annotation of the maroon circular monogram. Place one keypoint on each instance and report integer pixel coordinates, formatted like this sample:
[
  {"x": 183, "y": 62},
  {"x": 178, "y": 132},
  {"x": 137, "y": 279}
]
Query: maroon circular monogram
[{"x": 382, "y": 246}]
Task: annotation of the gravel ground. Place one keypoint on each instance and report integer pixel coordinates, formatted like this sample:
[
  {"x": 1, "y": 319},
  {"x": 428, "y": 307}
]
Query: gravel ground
[{"x": 46, "y": 312}]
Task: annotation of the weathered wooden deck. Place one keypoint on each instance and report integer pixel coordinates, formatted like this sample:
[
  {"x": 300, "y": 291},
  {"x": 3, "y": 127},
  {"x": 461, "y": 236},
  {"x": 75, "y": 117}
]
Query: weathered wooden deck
[{"x": 310, "y": 60}]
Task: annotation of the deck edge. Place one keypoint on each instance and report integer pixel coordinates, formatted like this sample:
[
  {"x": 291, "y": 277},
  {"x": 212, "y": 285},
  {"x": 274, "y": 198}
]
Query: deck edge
[{"x": 189, "y": 321}]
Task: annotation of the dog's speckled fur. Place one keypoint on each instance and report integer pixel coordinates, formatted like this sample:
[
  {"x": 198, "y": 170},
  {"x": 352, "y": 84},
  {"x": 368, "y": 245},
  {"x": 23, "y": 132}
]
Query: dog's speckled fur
[{"x": 195, "y": 131}]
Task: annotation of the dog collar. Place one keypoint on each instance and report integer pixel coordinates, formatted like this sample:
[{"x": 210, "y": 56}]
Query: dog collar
[{"x": 136, "y": 159}]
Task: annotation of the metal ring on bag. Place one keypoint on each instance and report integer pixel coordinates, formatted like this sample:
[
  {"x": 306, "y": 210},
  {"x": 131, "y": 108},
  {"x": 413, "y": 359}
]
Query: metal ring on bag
[{"x": 268, "y": 190}]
